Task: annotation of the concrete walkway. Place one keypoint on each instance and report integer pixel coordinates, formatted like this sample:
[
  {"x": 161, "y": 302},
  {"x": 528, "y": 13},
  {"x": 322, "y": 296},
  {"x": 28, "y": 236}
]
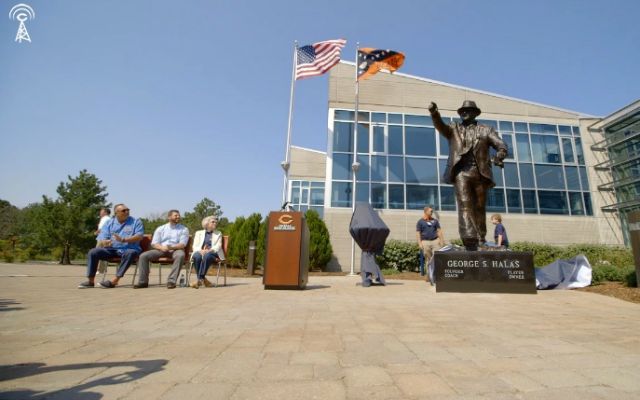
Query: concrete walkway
[{"x": 334, "y": 340}]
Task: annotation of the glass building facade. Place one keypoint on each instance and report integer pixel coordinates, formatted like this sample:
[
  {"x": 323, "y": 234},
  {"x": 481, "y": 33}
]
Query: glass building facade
[
  {"x": 622, "y": 142},
  {"x": 306, "y": 195},
  {"x": 402, "y": 159}
]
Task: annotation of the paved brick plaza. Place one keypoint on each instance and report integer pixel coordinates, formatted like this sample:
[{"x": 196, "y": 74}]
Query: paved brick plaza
[{"x": 334, "y": 340}]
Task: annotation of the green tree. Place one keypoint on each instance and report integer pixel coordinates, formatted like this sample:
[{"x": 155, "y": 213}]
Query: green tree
[
  {"x": 69, "y": 222},
  {"x": 234, "y": 230},
  {"x": 205, "y": 208},
  {"x": 261, "y": 246},
  {"x": 9, "y": 215},
  {"x": 247, "y": 233},
  {"x": 320, "y": 249}
]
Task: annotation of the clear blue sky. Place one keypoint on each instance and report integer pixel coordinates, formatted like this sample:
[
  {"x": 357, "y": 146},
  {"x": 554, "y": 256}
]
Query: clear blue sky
[{"x": 170, "y": 102}]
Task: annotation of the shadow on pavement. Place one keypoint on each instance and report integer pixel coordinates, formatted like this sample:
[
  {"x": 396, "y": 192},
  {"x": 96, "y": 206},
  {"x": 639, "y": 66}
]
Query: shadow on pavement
[
  {"x": 140, "y": 369},
  {"x": 314, "y": 287},
  {"x": 6, "y": 303}
]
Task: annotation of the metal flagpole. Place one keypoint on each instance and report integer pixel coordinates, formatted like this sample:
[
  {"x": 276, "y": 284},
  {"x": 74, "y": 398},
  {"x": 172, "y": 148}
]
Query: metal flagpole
[
  {"x": 286, "y": 163},
  {"x": 355, "y": 166}
]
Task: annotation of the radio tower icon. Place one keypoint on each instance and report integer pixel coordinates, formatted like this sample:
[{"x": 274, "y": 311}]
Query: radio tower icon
[{"x": 22, "y": 12}]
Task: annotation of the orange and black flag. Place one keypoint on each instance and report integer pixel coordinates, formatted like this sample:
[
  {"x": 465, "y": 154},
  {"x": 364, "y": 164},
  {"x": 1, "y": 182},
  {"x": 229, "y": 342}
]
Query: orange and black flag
[{"x": 370, "y": 61}]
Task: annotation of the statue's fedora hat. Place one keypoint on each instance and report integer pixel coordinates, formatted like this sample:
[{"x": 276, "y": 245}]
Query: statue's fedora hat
[{"x": 469, "y": 105}]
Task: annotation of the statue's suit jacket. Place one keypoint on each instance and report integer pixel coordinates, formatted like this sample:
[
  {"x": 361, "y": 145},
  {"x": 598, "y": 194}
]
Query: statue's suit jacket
[{"x": 475, "y": 138}]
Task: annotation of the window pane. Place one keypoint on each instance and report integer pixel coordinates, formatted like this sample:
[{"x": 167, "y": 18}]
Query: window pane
[
  {"x": 579, "y": 152},
  {"x": 447, "y": 198},
  {"x": 575, "y": 202},
  {"x": 420, "y": 196},
  {"x": 379, "y": 195},
  {"x": 363, "y": 172},
  {"x": 526, "y": 176},
  {"x": 513, "y": 201},
  {"x": 567, "y": 150},
  {"x": 421, "y": 170},
  {"x": 378, "y": 139},
  {"x": 317, "y": 197},
  {"x": 362, "y": 192},
  {"x": 511, "y": 175},
  {"x": 395, "y": 139},
  {"x": 305, "y": 196},
  {"x": 545, "y": 149},
  {"x": 497, "y": 175},
  {"x": 342, "y": 136},
  {"x": 344, "y": 115},
  {"x": 521, "y": 127},
  {"x": 508, "y": 139},
  {"x": 587, "y": 203},
  {"x": 444, "y": 146},
  {"x": 529, "y": 201},
  {"x": 420, "y": 141},
  {"x": 396, "y": 170},
  {"x": 506, "y": 126},
  {"x": 418, "y": 120},
  {"x": 524, "y": 152},
  {"x": 552, "y": 202},
  {"x": 542, "y": 128},
  {"x": 378, "y": 117},
  {"x": 342, "y": 166},
  {"x": 573, "y": 180},
  {"x": 396, "y": 196},
  {"x": 363, "y": 116},
  {"x": 495, "y": 200},
  {"x": 442, "y": 164},
  {"x": 341, "y": 194},
  {"x": 583, "y": 178},
  {"x": 549, "y": 176},
  {"x": 379, "y": 168},
  {"x": 395, "y": 118},
  {"x": 363, "y": 138},
  {"x": 576, "y": 131},
  {"x": 491, "y": 123},
  {"x": 319, "y": 210},
  {"x": 317, "y": 185},
  {"x": 295, "y": 195},
  {"x": 564, "y": 130}
]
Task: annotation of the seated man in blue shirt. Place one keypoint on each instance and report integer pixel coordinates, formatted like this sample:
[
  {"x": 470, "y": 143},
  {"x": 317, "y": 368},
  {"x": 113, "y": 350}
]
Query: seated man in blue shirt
[
  {"x": 120, "y": 237},
  {"x": 169, "y": 240}
]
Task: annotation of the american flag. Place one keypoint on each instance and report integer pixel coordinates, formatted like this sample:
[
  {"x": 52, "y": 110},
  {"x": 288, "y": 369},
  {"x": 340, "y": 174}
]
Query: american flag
[{"x": 316, "y": 59}]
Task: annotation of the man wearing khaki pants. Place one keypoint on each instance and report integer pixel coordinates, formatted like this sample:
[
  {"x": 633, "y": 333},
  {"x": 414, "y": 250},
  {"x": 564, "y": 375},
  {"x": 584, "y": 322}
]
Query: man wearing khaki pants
[{"x": 429, "y": 234}]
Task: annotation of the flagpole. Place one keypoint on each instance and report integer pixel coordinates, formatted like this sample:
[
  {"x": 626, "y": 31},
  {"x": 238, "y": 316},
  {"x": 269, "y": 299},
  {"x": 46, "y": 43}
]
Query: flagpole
[
  {"x": 355, "y": 166},
  {"x": 286, "y": 163}
]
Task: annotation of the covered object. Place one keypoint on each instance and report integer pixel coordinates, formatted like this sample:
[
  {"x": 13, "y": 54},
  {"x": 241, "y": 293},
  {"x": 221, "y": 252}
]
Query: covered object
[{"x": 370, "y": 233}]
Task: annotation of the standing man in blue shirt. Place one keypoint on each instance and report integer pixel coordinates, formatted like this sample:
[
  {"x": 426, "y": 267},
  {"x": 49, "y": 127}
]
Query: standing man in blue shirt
[
  {"x": 119, "y": 237},
  {"x": 169, "y": 240},
  {"x": 429, "y": 234}
]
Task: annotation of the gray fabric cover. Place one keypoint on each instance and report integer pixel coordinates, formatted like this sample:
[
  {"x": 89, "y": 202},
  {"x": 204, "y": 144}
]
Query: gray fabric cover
[{"x": 370, "y": 233}]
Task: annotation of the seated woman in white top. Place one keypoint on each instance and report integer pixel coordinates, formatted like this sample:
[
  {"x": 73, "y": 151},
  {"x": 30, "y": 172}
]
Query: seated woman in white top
[{"x": 207, "y": 248}]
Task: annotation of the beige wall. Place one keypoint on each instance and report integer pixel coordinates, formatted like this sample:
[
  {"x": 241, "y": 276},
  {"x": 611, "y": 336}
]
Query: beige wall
[{"x": 307, "y": 164}]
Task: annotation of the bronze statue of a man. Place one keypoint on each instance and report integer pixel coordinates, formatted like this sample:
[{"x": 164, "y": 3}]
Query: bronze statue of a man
[{"x": 469, "y": 168}]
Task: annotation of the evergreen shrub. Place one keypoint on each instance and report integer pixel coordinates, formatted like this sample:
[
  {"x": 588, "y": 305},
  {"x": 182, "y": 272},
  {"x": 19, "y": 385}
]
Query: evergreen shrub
[{"x": 320, "y": 249}]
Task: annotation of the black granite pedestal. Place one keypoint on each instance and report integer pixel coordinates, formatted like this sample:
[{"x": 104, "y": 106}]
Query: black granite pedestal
[{"x": 485, "y": 272}]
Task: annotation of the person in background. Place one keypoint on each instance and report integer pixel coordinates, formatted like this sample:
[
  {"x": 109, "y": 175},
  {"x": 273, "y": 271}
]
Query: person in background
[
  {"x": 429, "y": 235},
  {"x": 207, "y": 248},
  {"x": 119, "y": 237},
  {"x": 169, "y": 240},
  {"x": 500, "y": 233},
  {"x": 105, "y": 216}
]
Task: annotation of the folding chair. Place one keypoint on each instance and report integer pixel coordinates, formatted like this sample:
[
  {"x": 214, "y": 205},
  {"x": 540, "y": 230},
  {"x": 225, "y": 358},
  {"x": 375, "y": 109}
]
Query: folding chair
[
  {"x": 166, "y": 261},
  {"x": 145, "y": 244},
  {"x": 225, "y": 246}
]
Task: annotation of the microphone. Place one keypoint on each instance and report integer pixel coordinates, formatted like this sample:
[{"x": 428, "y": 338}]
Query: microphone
[{"x": 285, "y": 206}]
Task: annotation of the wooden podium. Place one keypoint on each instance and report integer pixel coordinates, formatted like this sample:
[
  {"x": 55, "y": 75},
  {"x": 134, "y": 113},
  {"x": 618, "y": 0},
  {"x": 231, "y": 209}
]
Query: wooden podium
[{"x": 287, "y": 260}]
